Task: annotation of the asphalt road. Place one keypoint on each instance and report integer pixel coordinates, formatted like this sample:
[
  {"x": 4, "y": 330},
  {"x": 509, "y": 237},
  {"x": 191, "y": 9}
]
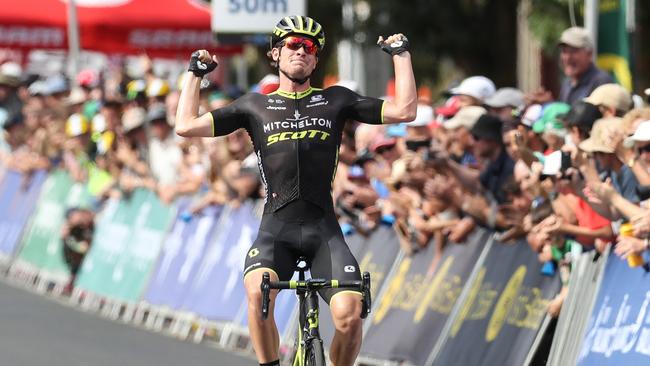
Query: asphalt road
[{"x": 38, "y": 331}]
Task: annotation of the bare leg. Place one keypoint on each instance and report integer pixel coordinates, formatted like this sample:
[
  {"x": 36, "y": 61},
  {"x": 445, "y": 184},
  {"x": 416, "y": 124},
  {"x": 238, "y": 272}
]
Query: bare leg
[
  {"x": 264, "y": 333},
  {"x": 346, "y": 311}
]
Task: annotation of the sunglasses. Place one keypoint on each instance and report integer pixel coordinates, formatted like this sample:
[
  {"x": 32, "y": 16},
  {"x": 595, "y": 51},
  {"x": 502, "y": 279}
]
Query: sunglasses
[
  {"x": 295, "y": 43},
  {"x": 645, "y": 148}
]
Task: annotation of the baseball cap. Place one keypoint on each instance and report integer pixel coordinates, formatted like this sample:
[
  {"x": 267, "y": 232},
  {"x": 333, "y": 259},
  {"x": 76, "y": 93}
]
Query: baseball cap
[
  {"x": 157, "y": 88},
  {"x": 550, "y": 119},
  {"x": 135, "y": 88},
  {"x": 577, "y": 37},
  {"x": 133, "y": 118},
  {"x": 478, "y": 87},
  {"x": 98, "y": 123},
  {"x": 506, "y": 97},
  {"x": 642, "y": 133},
  {"x": 157, "y": 112},
  {"x": 56, "y": 84},
  {"x": 88, "y": 78},
  {"x": 450, "y": 108},
  {"x": 77, "y": 96},
  {"x": 466, "y": 117},
  {"x": 531, "y": 115},
  {"x": 423, "y": 118},
  {"x": 605, "y": 135},
  {"x": 10, "y": 73},
  {"x": 76, "y": 125},
  {"x": 488, "y": 127},
  {"x": 582, "y": 115},
  {"x": 611, "y": 95}
]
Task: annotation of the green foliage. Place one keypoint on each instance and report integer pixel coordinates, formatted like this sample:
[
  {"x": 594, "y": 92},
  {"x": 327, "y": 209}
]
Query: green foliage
[{"x": 549, "y": 18}]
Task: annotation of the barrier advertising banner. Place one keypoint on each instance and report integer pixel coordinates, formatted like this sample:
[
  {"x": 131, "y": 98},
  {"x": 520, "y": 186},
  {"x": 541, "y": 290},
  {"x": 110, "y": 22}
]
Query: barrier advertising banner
[
  {"x": 375, "y": 254},
  {"x": 217, "y": 291},
  {"x": 42, "y": 246},
  {"x": 183, "y": 249},
  {"x": 18, "y": 195},
  {"x": 410, "y": 316},
  {"x": 618, "y": 332},
  {"x": 503, "y": 311},
  {"x": 126, "y": 243}
]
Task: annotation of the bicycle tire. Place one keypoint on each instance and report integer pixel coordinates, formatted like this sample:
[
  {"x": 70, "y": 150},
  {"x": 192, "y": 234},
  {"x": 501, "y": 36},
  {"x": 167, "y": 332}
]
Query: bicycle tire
[{"x": 315, "y": 354}]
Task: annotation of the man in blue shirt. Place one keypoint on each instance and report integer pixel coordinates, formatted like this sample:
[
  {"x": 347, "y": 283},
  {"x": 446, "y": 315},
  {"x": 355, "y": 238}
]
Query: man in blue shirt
[{"x": 576, "y": 57}]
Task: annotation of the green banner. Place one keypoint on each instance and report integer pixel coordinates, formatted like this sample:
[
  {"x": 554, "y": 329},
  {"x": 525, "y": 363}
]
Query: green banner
[
  {"x": 127, "y": 240},
  {"x": 42, "y": 246},
  {"x": 614, "y": 41}
]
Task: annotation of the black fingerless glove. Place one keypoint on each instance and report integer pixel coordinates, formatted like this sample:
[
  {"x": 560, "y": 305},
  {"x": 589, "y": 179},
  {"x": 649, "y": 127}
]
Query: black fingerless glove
[
  {"x": 396, "y": 47},
  {"x": 200, "y": 68}
]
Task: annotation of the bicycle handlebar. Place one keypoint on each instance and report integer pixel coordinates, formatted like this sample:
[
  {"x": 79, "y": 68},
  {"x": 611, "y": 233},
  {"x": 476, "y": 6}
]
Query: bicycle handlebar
[{"x": 314, "y": 284}]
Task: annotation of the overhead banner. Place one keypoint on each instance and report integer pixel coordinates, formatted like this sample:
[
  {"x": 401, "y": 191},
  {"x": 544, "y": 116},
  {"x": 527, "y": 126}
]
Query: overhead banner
[
  {"x": 413, "y": 311},
  {"x": 618, "y": 332},
  {"x": 18, "y": 194},
  {"x": 504, "y": 310},
  {"x": 183, "y": 251},
  {"x": 245, "y": 16}
]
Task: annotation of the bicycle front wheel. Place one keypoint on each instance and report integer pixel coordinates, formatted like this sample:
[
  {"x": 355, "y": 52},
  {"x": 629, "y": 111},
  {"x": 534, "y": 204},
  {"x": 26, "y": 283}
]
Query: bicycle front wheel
[{"x": 315, "y": 355}]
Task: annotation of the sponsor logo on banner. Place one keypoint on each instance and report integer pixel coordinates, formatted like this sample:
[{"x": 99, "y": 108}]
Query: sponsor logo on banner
[
  {"x": 24, "y": 36},
  {"x": 619, "y": 326}
]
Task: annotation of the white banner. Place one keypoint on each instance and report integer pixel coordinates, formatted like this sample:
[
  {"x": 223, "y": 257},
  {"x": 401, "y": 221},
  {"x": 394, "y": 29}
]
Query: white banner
[{"x": 252, "y": 16}]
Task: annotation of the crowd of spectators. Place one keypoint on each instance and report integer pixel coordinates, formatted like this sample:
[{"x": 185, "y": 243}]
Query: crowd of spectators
[
  {"x": 567, "y": 173},
  {"x": 560, "y": 172}
]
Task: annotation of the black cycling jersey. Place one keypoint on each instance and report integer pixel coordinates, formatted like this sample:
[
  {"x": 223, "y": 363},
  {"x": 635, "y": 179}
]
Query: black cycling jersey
[{"x": 296, "y": 137}]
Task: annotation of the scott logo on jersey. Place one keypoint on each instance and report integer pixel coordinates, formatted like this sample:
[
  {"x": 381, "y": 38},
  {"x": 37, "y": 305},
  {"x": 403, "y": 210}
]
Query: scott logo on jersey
[{"x": 295, "y": 126}]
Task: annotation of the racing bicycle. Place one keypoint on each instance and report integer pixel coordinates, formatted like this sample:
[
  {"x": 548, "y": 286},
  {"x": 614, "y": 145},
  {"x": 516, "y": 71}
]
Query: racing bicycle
[{"x": 309, "y": 349}]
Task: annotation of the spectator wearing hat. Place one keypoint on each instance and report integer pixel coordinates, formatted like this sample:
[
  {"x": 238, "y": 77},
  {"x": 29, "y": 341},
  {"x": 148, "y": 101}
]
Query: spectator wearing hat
[
  {"x": 156, "y": 91},
  {"x": 132, "y": 151},
  {"x": 529, "y": 138},
  {"x": 613, "y": 100},
  {"x": 474, "y": 90},
  {"x": 418, "y": 132},
  {"x": 580, "y": 119},
  {"x": 640, "y": 161},
  {"x": 576, "y": 57},
  {"x": 10, "y": 103},
  {"x": 507, "y": 104},
  {"x": 76, "y": 149},
  {"x": 551, "y": 127},
  {"x": 164, "y": 153},
  {"x": 447, "y": 110},
  {"x": 459, "y": 128},
  {"x": 489, "y": 147},
  {"x": 606, "y": 134}
]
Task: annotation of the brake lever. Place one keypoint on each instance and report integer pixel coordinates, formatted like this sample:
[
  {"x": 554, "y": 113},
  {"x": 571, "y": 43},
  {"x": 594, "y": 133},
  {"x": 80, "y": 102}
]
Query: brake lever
[
  {"x": 367, "y": 301},
  {"x": 266, "y": 292}
]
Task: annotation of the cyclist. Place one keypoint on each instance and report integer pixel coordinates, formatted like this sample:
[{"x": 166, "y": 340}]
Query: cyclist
[{"x": 296, "y": 132}]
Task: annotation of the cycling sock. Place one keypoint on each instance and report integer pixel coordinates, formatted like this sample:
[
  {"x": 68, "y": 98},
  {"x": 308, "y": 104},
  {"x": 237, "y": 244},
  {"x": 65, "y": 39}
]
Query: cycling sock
[{"x": 272, "y": 363}]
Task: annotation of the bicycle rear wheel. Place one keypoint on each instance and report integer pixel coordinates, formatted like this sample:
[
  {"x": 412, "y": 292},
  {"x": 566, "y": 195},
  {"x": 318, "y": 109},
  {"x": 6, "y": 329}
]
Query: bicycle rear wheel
[{"x": 315, "y": 355}]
